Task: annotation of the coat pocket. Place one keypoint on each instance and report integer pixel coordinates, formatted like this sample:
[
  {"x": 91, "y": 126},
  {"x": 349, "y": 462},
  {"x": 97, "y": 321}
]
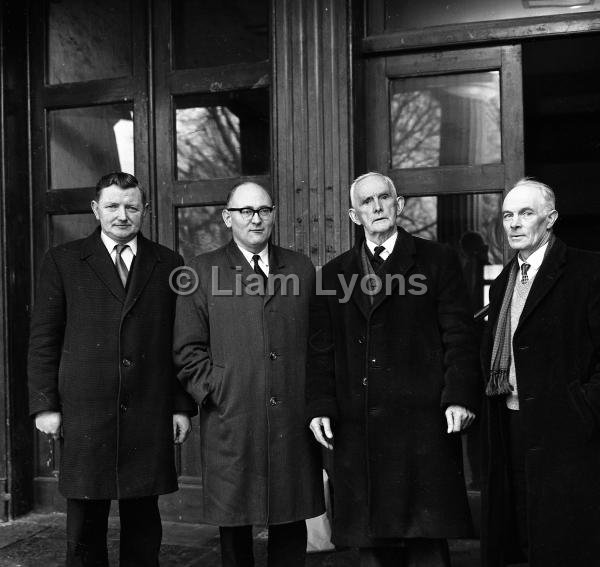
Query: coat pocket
[
  {"x": 581, "y": 406},
  {"x": 215, "y": 381}
]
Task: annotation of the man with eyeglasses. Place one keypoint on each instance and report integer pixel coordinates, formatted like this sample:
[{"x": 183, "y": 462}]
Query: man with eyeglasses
[{"x": 240, "y": 352}]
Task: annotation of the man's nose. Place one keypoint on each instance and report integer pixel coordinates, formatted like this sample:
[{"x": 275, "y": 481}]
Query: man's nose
[
  {"x": 256, "y": 219},
  {"x": 515, "y": 221},
  {"x": 377, "y": 204},
  {"x": 121, "y": 213}
]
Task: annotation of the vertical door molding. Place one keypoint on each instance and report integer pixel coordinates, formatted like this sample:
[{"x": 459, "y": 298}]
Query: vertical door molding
[{"x": 312, "y": 136}]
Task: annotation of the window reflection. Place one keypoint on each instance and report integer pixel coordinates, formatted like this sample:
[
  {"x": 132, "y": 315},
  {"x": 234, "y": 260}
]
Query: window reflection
[
  {"x": 225, "y": 135},
  {"x": 85, "y": 143},
  {"x": 200, "y": 229},
  {"x": 88, "y": 40},
  {"x": 448, "y": 218},
  {"x": 445, "y": 120}
]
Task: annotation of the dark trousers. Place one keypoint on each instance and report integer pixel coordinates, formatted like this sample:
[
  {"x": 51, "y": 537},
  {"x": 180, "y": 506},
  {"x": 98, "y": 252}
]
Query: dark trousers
[
  {"x": 286, "y": 546},
  {"x": 87, "y": 525},
  {"x": 417, "y": 552},
  {"x": 517, "y": 452}
]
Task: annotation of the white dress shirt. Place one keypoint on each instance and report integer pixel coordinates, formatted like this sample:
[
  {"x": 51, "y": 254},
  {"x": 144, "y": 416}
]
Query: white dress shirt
[
  {"x": 388, "y": 245},
  {"x": 128, "y": 253},
  {"x": 263, "y": 262},
  {"x": 534, "y": 261}
]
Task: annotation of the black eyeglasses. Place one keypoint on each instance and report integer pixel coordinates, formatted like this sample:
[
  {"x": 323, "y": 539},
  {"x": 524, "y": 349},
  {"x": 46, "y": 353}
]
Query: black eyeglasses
[{"x": 248, "y": 213}]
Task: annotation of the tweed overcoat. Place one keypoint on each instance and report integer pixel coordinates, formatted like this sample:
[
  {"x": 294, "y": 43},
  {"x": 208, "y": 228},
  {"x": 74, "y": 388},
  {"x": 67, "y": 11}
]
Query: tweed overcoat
[
  {"x": 557, "y": 358},
  {"x": 242, "y": 356},
  {"x": 102, "y": 356},
  {"x": 385, "y": 372}
]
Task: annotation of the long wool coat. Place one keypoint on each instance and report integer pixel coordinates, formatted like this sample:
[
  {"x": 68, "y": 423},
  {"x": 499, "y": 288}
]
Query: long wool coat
[
  {"x": 242, "y": 356},
  {"x": 102, "y": 357},
  {"x": 557, "y": 357},
  {"x": 385, "y": 372}
]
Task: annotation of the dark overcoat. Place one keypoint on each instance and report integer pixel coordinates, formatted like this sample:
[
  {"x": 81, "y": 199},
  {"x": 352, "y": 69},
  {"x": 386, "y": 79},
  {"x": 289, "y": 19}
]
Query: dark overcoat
[
  {"x": 385, "y": 372},
  {"x": 101, "y": 356},
  {"x": 557, "y": 358},
  {"x": 242, "y": 356}
]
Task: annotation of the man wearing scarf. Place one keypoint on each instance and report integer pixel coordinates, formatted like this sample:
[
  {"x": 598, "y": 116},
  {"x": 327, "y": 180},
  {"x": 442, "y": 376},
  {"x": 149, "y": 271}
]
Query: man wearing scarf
[{"x": 541, "y": 453}]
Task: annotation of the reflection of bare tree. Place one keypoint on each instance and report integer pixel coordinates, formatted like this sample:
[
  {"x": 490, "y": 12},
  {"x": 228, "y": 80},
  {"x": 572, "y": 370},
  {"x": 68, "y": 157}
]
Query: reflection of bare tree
[
  {"x": 415, "y": 130},
  {"x": 447, "y": 119},
  {"x": 201, "y": 229},
  {"x": 419, "y": 217},
  {"x": 208, "y": 143}
]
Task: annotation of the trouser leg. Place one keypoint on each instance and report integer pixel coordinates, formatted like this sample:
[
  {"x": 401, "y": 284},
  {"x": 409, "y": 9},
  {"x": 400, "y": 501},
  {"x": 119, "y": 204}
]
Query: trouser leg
[
  {"x": 426, "y": 552},
  {"x": 87, "y": 524},
  {"x": 236, "y": 546},
  {"x": 141, "y": 532},
  {"x": 517, "y": 477},
  {"x": 287, "y": 545}
]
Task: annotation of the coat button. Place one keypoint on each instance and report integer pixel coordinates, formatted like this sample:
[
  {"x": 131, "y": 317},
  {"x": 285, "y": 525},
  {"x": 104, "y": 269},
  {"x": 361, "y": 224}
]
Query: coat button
[
  {"x": 126, "y": 362},
  {"x": 273, "y": 401},
  {"x": 524, "y": 347},
  {"x": 123, "y": 407},
  {"x": 373, "y": 361},
  {"x": 361, "y": 340},
  {"x": 272, "y": 355},
  {"x": 365, "y": 381}
]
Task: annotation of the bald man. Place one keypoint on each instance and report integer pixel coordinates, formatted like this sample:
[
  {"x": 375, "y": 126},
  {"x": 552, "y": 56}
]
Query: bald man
[
  {"x": 240, "y": 342},
  {"x": 541, "y": 454}
]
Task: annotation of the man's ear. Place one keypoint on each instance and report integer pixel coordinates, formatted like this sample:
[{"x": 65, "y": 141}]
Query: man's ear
[
  {"x": 226, "y": 217},
  {"x": 95, "y": 209},
  {"x": 401, "y": 202},
  {"x": 551, "y": 218},
  {"x": 354, "y": 217}
]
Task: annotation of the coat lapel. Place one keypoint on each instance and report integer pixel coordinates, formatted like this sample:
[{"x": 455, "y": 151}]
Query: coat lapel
[
  {"x": 143, "y": 266},
  {"x": 352, "y": 274},
  {"x": 550, "y": 271},
  {"x": 238, "y": 264},
  {"x": 98, "y": 258},
  {"x": 400, "y": 261},
  {"x": 276, "y": 266}
]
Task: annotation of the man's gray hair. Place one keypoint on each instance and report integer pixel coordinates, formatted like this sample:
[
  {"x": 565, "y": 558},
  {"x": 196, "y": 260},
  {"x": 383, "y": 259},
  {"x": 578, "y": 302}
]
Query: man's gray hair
[
  {"x": 389, "y": 182},
  {"x": 545, "y": 190}
]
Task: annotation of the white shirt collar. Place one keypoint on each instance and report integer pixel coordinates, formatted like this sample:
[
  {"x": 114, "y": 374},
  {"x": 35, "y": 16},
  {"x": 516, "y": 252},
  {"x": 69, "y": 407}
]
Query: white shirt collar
[
  {"x": 388, "y": 245},
  {"x": 110, "y": 243},
  {"x": 535, "y": 260},
  {"x": 264, "y": 257}
]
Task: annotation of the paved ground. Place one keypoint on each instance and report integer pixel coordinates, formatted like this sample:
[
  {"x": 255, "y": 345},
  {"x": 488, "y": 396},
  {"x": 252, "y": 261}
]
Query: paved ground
[{"x": 38, "y": 540}]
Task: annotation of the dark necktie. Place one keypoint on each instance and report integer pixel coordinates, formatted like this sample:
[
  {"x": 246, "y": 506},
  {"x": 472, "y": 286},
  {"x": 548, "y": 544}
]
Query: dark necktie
[
  {"x": 377, "y": 259},
  {"x": 524, "y": 268},
  {"x": 120, "y": 263},
  {"x": 258, "y": 271}
]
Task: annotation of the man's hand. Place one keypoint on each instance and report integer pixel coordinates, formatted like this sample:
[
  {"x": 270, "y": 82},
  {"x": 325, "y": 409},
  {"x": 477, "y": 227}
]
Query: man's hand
[
  {"x": 49, "y": 422},
  {"x": 321, "y": 428},
  {"x": 458, "y": 418},
  {"x": 181, "y": 427}
]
